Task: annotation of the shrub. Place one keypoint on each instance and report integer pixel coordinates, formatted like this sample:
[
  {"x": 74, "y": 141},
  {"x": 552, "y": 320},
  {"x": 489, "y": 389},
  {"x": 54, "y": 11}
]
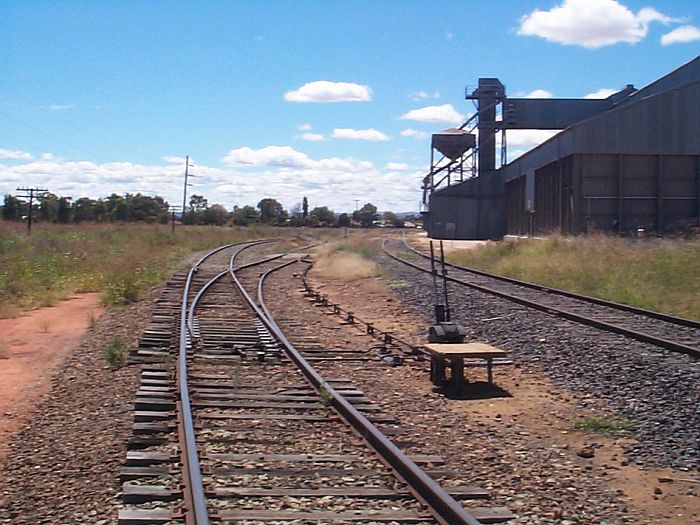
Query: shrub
[{"x": 116, "y": 352}]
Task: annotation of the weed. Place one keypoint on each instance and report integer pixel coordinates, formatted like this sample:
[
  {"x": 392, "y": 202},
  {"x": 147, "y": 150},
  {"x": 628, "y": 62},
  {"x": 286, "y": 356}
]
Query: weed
[
  {"x": 116, "y": 352},
  {"x": 325, "y": 399},
  {"x": 399, "y": 284},
  {"x": 92, "y": 320},
  {"x": 237, "y": 377},
  {"x": 604, "y": 425},
  {"x": 168, "y": 361},
  {"x": 45, "y": 325}
]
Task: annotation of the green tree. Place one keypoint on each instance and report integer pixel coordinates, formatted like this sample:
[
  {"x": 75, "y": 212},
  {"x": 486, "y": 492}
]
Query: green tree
[
  {"x": 324, "y": 215},
  {"x": 215, "y": 214},
  {"x": 304, "y": 208},
  {"x": 271, "y": 211},
  {"x": 63, "y": 212},
  {"x": 366, "y": 215},
  {"x": 392, "y": 218},
  {"x": 245, "y": 215},
  {"x": 85, "y": 209},
  {"x": 312, "y": 221},
  {"x": 343, "y": 220},
  {"x": 12, "y": 208},
  {"x": 48, "y": 207},
  {"x": 198, "y": 205}
]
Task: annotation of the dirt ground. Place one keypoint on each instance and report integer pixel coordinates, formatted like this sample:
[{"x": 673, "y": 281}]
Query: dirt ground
[
  {"x": 548, "y": 413},
  {"x": 32, "y": 346}
]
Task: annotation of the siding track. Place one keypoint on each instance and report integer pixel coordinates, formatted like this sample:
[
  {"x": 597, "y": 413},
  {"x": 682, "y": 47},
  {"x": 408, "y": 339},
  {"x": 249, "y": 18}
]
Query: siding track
[
  {"x": 662, "y": 330},
  {"x": 261, "y": 436}
]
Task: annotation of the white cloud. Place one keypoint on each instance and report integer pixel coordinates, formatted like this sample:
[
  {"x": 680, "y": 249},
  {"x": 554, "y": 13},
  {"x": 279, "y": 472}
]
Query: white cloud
[
  {"x": 521, "y": 141},
  {"x": 305, "y": 127},
  {"x": 280, "y": 156},
  {"x": 396, "y": 166},
  {"x": 14, "y": 154},
  {"x": 410, "y": 132},
  {"x": 359, "y": 134},
  {"x": 60, "y": 107},
  {"x": 539, "y": 93},
  {"x": 528, "y": 138},
  {"x": 174, "y": 160},
  {"x": 681, "y": 35},
  {"x": 279, "y": 172},
  {"x": 602, "y": 93},
  {"x": 312, "y": 137},
  {"x": 591, "y": 23},
  {"x": 443, "y": 114},
  {"x": 326, "y": 91},
  {"x": 424, "y": 95}
]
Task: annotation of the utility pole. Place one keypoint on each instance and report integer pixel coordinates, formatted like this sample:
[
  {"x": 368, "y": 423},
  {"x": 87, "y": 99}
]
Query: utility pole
[
  {"x": 30, "y": 195},
  {"x": 357, "y": 203},
  {"x": 184, "y": 191}
]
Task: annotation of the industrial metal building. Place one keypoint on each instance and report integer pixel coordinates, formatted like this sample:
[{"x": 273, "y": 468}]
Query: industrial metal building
[{"x": 626, "y": 163}]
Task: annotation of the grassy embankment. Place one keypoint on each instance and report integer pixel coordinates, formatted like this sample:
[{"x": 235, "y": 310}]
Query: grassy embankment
[
  {"x": 118, "y": 261},
  {"x": 348, "y": 259},
  {"x": 662, "y": 275}
]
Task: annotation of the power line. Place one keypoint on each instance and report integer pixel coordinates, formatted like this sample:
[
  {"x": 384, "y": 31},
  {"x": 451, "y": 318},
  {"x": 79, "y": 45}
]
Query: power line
[{"x": 40, "y": 192}]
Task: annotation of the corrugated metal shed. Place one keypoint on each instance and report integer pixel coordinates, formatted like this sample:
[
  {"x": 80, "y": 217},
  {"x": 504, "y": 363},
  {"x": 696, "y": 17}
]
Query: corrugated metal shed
[{"x": 636, "y": 165}]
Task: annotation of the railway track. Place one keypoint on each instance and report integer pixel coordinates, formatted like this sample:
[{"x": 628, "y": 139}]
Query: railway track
[
  {"x": 247, "y": 431},
  {"x": 662, "y": 330}
]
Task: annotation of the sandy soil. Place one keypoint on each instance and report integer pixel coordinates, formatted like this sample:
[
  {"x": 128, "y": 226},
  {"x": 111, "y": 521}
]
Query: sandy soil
[
  {"x": 422, "y": 242},
  {"x": 32, "y": 346}
]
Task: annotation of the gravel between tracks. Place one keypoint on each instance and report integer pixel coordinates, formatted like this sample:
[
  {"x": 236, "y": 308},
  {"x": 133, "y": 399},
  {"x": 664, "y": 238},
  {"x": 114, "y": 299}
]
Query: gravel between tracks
[
  {"x": 656, "y": 390},
  {"x": 62, "y": 467},
  {"x": 542, "y": 482}
]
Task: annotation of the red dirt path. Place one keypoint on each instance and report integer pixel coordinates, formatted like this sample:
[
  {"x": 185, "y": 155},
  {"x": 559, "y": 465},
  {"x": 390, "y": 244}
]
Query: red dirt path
[{"x": 32, "y": 346}]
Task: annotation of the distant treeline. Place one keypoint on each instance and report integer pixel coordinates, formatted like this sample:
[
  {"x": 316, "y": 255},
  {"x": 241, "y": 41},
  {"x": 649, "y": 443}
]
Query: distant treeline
[{"x": 143, "y": 208}]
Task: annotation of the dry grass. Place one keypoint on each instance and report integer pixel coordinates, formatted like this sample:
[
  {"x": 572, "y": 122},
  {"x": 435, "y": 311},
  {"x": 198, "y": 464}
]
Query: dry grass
[
  {"x": 118, "y": 260},
  {"x": 335, "y": 263},
  {"x": 661, "y": 275}
]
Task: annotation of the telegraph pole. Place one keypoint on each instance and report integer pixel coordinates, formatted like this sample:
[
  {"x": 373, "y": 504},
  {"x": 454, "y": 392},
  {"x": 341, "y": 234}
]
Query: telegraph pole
[
  {"x": 30, "y": 195},
  {"x": 184, "y": 191}
]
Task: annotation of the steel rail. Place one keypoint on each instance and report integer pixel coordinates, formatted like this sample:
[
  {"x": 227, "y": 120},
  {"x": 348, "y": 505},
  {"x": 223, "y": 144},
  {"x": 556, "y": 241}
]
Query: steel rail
[
  {"x": 445, "y": 509},
  {"x": 571, "y": 316},
  {"x": 193, "y": 485},
  {"x": 573, "y": 295}
]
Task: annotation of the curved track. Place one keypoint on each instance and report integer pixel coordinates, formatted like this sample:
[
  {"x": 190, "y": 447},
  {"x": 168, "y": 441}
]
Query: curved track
[
  {"x": 263, "y": 436},
  {"x": 669, "y": 332}
]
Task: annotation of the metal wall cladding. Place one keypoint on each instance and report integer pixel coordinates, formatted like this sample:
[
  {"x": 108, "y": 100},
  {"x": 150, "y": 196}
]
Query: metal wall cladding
[
  {"x": 609, "y": 193},
  {"x": 551, "y": 113},
  {"x": 517, "y": 216}
]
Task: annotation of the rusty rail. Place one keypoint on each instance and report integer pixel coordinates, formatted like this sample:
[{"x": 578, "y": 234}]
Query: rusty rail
[
  {"x": 445, "y": 509},
  {"x": 558, "y": 312},
  {"x": 197, "y": 513}
]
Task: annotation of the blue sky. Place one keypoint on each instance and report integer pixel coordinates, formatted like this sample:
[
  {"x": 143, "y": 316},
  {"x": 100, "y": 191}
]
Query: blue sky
[{"x": 331, "y": 100}]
